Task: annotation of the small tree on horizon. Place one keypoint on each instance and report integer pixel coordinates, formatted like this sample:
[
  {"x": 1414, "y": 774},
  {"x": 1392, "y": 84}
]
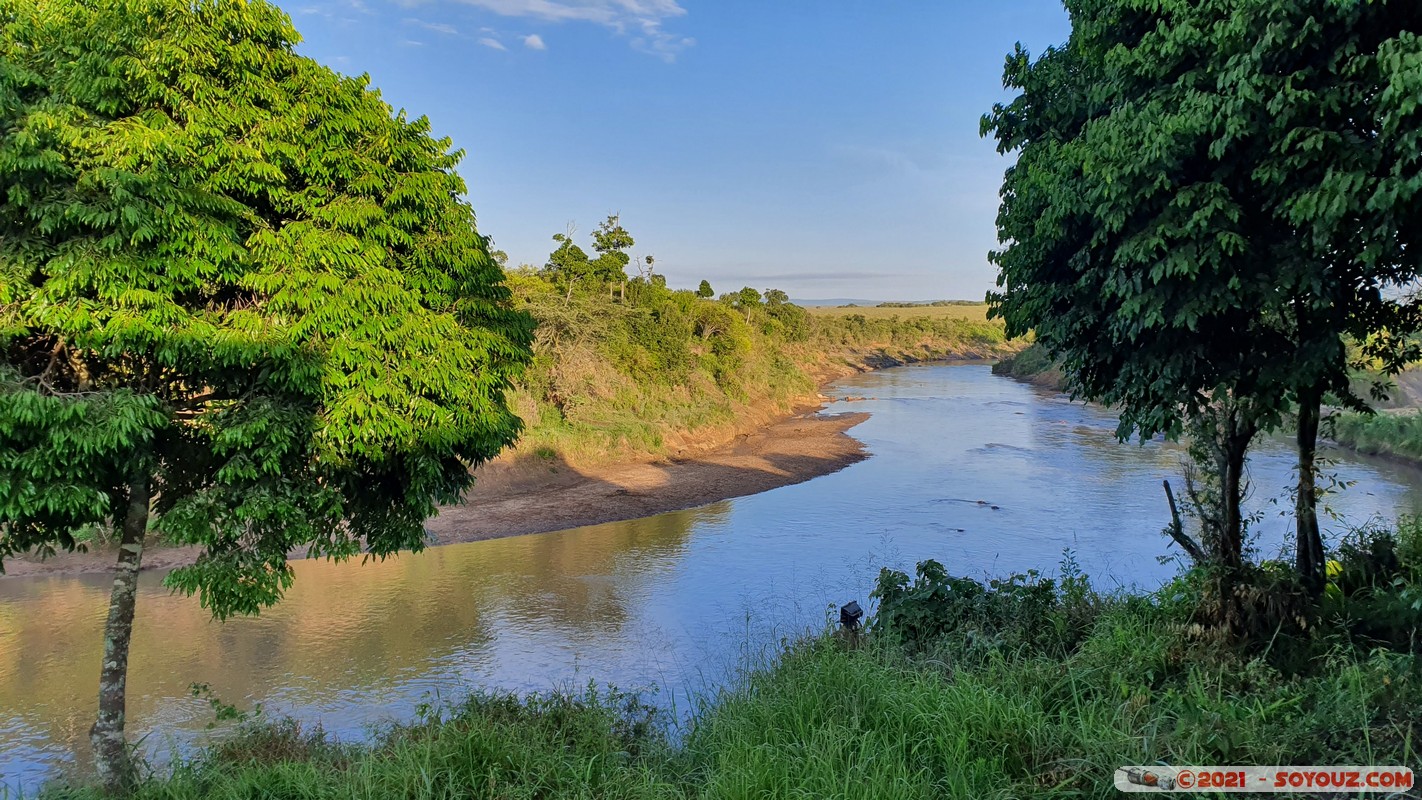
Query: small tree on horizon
[
  {"x": 704, "y": 291},
  {"x": 612, "y": 242}
]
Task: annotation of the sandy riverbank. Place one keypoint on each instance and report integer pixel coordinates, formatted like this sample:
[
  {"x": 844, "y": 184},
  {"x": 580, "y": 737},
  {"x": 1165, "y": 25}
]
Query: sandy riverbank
[
  {"x": 792, "y": 450},
  {"x": 517, "y": 499}
]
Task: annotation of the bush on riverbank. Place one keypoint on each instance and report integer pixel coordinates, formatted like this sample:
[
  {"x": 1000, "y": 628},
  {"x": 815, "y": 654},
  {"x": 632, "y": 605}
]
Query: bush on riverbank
[
  {"x": 1397, "y": 434},
  {"x": 1025, "y": 686},
  {"x": 647, "y": 370},
  {"x": 1033, "y": 365}
]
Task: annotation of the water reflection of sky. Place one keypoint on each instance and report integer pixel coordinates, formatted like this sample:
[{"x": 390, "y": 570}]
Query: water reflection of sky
[{"x": 984, "y": 474}]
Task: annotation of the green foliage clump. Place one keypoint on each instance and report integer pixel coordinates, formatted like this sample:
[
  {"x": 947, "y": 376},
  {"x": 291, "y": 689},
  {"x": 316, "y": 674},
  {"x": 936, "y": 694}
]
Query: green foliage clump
[
  {"x": 1374, "y": 591},
  {"x": 1022, "y": 610},
  {"x": 627, "y": 366},
  {"x": 1031, "y": 364},
  {"x": 1386, "y": 434},
  {"x": 238, "y": 283}
]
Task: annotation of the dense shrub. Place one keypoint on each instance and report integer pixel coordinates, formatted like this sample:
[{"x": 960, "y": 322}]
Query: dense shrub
[
  {"x": 1395, "y": 434},
  {"x": 1020, "y": 611},
  {"x": 619, "y": 370}
]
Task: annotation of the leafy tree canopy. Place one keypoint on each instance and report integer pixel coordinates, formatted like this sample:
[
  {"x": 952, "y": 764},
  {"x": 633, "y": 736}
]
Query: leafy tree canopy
[
  {"x": 1209, "y": 196},
  {"x": 1212, "y": 200},
  {"x": 236, "y": 283},
  {"x": 568, "y": 263},
  {"x": 611, "y": 242}
]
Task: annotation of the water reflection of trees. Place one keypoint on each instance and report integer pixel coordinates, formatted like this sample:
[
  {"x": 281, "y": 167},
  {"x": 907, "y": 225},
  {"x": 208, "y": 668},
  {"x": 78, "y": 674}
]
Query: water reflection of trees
[{"x": 341, "y": 627}]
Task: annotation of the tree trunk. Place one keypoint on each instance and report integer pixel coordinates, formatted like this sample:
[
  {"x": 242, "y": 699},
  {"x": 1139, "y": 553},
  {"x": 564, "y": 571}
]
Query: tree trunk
[
  {"x": 1232, "y": 536},
  {"x": 1309, "y": 557},
  {"x": 111, "y": 753},
  {"x": 1233, "y": 448}
]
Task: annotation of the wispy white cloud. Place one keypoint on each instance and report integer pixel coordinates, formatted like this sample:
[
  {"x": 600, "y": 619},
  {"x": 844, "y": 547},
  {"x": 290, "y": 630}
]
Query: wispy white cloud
[
  {"x": 437, "y": 27},
  {"x": 640, "y": 20},
  {"x": 534, "y": 42},
  {"x": 338, "y": 11},
  {"x": 411, "y": 43},
  {"x": 655, "y": 41},
  {"x": 493, "y": 43}
]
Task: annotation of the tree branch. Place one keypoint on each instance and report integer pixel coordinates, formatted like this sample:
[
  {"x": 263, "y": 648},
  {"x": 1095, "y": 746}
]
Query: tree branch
[{"x": 1177, "y": 529}]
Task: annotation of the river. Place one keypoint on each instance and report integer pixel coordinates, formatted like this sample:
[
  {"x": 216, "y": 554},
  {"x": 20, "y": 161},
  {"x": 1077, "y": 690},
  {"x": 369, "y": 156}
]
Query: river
[{"x": 985, "y": 474}]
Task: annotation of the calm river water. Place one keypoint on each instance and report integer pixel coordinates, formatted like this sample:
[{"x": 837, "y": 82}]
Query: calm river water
[{"x": 675, "y": 602}]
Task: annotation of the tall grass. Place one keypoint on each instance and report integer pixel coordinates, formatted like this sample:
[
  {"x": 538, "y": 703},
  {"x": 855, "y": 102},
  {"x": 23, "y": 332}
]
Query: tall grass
[{"x": 1387, "y": 434}]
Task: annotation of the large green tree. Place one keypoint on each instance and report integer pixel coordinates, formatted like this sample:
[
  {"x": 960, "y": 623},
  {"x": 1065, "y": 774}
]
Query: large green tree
[
  {"x": 242, "y": 305},
  {"x": 1211, "y": 199}
]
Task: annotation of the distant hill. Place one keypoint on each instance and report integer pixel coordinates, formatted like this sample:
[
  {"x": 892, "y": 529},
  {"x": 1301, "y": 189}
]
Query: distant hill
[
  {"x": 835, "y": 301},
  {"x": 845, "y": 301}
]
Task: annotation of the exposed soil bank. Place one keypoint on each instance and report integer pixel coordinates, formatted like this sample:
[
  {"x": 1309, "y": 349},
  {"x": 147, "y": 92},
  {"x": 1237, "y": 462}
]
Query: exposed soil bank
[
  {"x": 792, "y": 450},
  {"x": 512, "y": 500},
  {"x": 764, "y": 450}
]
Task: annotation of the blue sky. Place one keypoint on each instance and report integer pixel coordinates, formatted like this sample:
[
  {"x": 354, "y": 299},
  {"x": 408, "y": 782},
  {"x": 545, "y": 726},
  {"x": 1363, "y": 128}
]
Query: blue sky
[{"x": 827, "y": 148}]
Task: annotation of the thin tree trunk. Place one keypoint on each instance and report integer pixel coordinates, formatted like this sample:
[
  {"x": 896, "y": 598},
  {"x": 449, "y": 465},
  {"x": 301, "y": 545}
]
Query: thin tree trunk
[
  {"x": 111, "y": 753},
  {"x": 1232, "y": 537},
  {"x": 1235, "y": 446},
  {"x": 1309, "y": 557}
]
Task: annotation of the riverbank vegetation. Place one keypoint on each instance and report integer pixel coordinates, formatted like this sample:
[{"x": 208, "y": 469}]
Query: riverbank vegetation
[
  {"x": 1022, "y": 687},
  {"x": 1033, "y": 365},
  {"x": 1395, "y": 434},
  {"x": 626, "y": 367}
]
